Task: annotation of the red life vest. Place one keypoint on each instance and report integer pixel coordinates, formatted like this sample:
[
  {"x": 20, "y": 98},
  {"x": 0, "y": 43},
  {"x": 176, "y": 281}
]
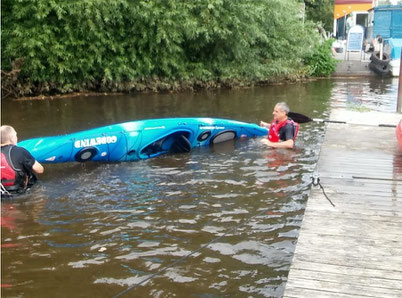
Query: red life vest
[
  {"x": 273, "y": 135},
  {"x": 9, "y": 173}
]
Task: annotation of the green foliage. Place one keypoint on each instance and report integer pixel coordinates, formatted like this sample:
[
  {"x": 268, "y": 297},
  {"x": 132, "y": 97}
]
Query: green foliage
[
  {"x": 321, "y": 12},
  {"x": 321, "y": 62},
  {"x": 133, "y": 44}
]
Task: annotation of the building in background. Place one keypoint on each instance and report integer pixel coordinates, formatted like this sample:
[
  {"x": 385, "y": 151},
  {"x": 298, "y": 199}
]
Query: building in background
[
  {"x": 357, "y": 10},
  {"x": 360, "y": 12},
  {"x": 382, "y": 24}
]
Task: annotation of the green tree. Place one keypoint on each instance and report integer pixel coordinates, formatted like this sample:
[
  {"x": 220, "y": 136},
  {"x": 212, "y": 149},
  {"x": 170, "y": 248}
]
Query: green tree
[
  {"x": 321, "y": 12},
  {"x": 138, "y": 44}
]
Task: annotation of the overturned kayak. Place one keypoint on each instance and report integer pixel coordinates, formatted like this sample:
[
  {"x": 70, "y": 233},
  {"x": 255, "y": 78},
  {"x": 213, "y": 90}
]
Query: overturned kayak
[{"x": 137, "y": 140}]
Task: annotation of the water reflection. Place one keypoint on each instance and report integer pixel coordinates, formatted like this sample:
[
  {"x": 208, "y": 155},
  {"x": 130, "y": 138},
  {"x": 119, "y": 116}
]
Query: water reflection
[
  {"x": 98, "y": 228},
  {"x": 373, "y": 94}
]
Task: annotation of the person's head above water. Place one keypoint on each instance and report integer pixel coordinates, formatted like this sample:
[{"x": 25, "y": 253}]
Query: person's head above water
[
  {"x": 281, "y": 111},
  {"x": 8, "y": 135}
]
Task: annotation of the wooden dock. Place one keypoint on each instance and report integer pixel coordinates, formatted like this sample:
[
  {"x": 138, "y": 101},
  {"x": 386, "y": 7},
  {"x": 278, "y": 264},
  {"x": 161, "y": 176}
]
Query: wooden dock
[{"x": 355, "y": 248}]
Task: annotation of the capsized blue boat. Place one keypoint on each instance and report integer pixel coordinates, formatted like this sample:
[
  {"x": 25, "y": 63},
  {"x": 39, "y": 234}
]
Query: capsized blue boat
[{"x": 137, "y": 140}]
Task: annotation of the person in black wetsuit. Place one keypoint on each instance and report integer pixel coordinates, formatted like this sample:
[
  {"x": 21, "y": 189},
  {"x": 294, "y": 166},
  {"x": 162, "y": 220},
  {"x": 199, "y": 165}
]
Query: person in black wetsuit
[{"x": 18, "y": 166}]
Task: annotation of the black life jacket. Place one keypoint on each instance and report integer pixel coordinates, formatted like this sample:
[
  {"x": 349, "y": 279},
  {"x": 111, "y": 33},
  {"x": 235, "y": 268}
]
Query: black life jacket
[{"x": 12, "y": 179}]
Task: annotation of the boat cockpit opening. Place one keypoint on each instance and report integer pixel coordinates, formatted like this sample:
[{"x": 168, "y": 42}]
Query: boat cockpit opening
[{"x": 176, "y": 142}]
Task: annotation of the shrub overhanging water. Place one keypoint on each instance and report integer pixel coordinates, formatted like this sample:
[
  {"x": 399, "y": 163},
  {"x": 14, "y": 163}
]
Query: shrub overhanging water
[{"x": 128, "y": 45}]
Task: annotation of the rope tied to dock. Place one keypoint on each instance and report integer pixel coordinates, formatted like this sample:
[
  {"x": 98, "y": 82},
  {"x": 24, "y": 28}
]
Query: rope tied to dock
[{"x": 316, "y": 182}]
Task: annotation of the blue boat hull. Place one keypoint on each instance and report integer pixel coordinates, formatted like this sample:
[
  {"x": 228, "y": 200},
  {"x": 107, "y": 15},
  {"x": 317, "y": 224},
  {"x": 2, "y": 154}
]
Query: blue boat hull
[{"x": 137, "y": 140}]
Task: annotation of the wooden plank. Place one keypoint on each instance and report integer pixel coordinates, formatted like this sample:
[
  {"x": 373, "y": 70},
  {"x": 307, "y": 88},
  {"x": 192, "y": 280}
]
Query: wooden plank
[
  {"x": 360, "y": 180},
  {"x": 332, "y": 179},
  {"x": 325, "y": 206},
  {"x": 328, "y": 154},
  {"x": 353, "y": 249},
  {"x": 355, "y": 202},
  {"x": 352, "y": 224},
  {"x": 353, "y": 216},
  {"x": 347, "y": 167},
  {"x": 318, "y": 213},
  {"x": 349, "y": 270},
  {"x": 341, "y": 287},
  {"x": 363, "y": 162},
  {"x": 347, "y": 157},
  {"x": 378, "y": 234},
  {"x": 338, "y": 238},
  {"x": 353, "y": 156},
  {"x": 345, "y": 173},
  {"x": 356, "y": 207},
  {"x": 339, "y": 260},
  {"x": 333, "y": 191},
  {"x": 345, "y": 196},
  {"x": 363, "y": 238},
  {"x": 367, "y": 168},
  {"x": 358, "y": 199},
  {"x": 378, "y": 186},
  {"x": 378, "y": 281},
  {"x": 297, "y": 292}
]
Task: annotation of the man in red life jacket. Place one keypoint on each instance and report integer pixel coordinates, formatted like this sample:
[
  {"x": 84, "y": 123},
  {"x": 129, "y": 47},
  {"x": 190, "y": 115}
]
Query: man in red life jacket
[
  {"x": 18, "y": 166},
  {"x": 282, "y": 130}
]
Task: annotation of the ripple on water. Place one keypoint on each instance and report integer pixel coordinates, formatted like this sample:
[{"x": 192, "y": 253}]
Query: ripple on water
[
  {"x": 108, "y": 226},
  {"x": 152, "y": 213},
  {"x": 85, "y": 263}
]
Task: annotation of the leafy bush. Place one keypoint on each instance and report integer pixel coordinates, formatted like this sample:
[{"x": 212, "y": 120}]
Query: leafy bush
[
  {"x": 321, "y": 62},
  {"x": 139, "y": 44}
]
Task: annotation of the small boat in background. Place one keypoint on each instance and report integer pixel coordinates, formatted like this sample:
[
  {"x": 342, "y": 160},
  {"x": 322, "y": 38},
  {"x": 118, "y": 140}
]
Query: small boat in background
[
  {"x": 138, "y": 140},
  {"x": 398, "y": 133}
]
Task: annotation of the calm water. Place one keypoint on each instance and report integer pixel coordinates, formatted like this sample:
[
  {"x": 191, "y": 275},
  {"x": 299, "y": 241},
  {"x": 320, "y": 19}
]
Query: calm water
[
  {"x": 95, "y": 230},
  {"x": 369, "y": 94}
]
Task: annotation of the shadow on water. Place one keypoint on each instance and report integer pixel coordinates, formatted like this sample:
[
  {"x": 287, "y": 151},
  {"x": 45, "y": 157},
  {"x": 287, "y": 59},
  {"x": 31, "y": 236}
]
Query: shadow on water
[{"x": 98, "y": 228}]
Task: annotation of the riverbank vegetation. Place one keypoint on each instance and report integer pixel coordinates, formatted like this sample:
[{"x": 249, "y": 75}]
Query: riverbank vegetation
[
  {"x": 321, "y": 12},
  {"x": 53, "y": 46}
]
